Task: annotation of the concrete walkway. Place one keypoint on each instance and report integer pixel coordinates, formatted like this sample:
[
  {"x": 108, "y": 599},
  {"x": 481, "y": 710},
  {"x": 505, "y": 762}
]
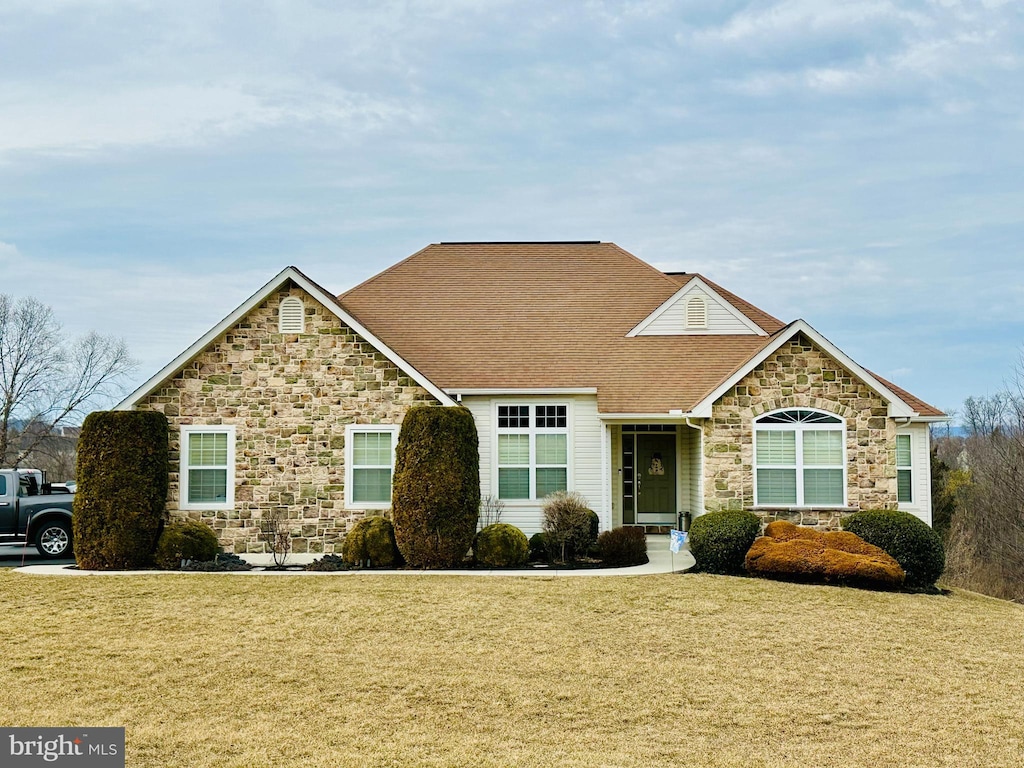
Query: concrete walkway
[{"x": 661, "y": 561}]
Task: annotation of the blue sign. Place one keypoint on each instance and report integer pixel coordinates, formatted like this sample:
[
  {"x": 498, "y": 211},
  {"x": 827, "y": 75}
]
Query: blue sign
[{"x": 676, "y": 541}]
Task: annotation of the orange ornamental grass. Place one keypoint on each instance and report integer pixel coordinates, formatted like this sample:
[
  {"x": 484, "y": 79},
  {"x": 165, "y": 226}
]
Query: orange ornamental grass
[{"x": 245, "y": 671}]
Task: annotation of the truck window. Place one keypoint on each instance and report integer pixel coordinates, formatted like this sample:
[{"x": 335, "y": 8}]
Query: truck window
[{"x": 3, "y": 485}]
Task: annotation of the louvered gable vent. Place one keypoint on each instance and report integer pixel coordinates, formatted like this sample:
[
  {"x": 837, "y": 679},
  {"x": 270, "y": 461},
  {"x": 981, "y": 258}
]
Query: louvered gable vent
[
  {"x": 697, "y": 313},
  {"x": 292, "y": 316}
]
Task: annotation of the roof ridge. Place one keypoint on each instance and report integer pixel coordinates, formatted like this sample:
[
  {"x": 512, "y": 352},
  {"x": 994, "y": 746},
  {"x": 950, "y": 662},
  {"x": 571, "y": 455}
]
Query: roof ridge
[{"x": 640, "y": 261}]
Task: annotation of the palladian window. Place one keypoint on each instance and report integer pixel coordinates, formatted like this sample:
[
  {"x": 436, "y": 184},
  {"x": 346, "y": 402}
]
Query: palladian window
[{"x": 799, "y": 459}]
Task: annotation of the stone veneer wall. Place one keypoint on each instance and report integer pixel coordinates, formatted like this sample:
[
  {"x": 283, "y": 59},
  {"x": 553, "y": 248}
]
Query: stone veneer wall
[
  {"x": 799, "y": 375},
  {"x": 289, "y": 397}
]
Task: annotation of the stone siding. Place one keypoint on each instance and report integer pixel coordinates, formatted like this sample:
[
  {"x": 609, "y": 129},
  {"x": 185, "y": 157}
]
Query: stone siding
[
  {"x": 289, "y": 397},
  {"x": 799, "y": 375}
]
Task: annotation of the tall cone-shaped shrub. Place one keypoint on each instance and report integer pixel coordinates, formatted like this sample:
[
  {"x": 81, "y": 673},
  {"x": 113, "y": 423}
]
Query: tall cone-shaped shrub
[
  {"x": 436, "y": 491},
  {"x": 122, "y": 489}
]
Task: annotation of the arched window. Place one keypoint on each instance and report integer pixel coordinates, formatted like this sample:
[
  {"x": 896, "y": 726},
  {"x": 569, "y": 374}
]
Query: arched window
[
  {"x": 697, "y": 312},
  {"x": 292, "y": 316},
  {"x": 800, "y": 459}
]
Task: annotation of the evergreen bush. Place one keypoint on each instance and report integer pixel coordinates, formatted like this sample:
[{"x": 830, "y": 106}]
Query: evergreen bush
[
  {"x": 622, "y": 546},
  {"x": 719, "y": 540},
  {"x": 908, "y": 539},
  {"x": 185, "y": 540},
  {"x": 122, "y": 489},
  {"x": 371, "y": 544},
  {"x": 436, "y": 490},
  {"x": 539, "y": 550},
  {"x": 501, "y": 545}
]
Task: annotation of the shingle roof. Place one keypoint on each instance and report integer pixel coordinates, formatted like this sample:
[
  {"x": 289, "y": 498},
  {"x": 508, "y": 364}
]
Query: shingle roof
[{"x": 519, "y": 315}]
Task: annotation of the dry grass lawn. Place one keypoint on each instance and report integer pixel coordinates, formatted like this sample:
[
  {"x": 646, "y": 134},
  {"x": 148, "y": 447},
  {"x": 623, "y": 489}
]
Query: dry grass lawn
[{"x": 227, "y": 670}]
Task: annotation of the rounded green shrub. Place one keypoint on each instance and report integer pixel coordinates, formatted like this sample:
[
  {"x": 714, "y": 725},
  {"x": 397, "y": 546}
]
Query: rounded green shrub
[
  {"x": 719, "y": 540},
  {"x": 622, "y": 546},
  {"x": 908, "y": 539},
  {"x": 539, "y": 551},
  {"x": 436, "y": 489},
  {"x": 122, "y": 488},
  {"x": 371, "y": 543},
  {"x": 185, "y": 540},
  {"x": 501, "y": 546}
]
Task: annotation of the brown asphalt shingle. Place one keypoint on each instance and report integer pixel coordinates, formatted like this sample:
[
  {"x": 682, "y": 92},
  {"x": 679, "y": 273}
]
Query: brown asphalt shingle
[{"x": 482, "y": 315}]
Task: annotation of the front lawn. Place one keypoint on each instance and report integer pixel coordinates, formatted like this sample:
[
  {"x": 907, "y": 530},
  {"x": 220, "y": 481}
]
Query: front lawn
[{"x": 367, "y": 670}]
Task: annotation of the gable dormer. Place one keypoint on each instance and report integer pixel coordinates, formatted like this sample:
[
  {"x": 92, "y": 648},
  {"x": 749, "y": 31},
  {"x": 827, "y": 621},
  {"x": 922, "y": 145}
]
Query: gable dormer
[{"x": 697, "y": 309}]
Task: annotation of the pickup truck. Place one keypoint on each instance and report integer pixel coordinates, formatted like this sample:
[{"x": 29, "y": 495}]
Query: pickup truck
[{"x": 33, "y": 512}]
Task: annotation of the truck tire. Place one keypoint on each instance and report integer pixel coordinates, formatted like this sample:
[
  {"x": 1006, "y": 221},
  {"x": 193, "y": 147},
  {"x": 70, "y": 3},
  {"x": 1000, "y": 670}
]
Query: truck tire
[{"x": 53, "y": 539}]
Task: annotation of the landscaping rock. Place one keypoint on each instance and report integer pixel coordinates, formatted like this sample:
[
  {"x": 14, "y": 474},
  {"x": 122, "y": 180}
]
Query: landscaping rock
[{"x": 788, "y": 551}]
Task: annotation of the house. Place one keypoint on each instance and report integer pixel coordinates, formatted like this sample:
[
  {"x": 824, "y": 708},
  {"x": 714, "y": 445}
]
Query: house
[{"x": 654, "y": 395}]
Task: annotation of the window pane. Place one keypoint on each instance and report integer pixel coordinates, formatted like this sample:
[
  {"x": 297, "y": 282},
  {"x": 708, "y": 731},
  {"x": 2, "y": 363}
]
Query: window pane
[
  {"x": 207, "y": 449},
  {"x": 371, "y": 449},
  {"x": 513, "y": 416},
  {"x": 823, "y": 447},
  {"x": 902, "y": 450},
  {"x": 550, "y": 480},
  {"x": 551, "y": 450},
  {"x": 904, "y": 486},
  {"x": 823, "y": 486},
  {"x": 207, "y": 486},
  {"x": 776, "y": 447},
  {"x": 776, "y": 486},
  {"x": 513, "y": 483},
  {"x": 3, "y": 485},
  {"x": 371, "y": 485},
  {"x": 513, "y": 449}
]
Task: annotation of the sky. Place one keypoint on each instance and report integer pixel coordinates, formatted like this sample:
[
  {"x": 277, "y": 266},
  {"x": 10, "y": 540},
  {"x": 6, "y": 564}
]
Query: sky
[{"x": 859, "y": 165}]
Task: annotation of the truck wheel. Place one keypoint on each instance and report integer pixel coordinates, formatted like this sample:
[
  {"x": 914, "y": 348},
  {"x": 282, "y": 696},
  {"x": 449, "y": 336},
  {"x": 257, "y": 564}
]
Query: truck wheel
[{"x": 53, "y": 539}]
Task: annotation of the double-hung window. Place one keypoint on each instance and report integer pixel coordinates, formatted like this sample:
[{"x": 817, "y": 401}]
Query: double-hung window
[
  {"x": 799, "y": 459},
  {"x": 533, "y": 450},
  {"x": 904, "y": 470},
  {"x": 207, "y": 476},
  {"x": 369, "y": 465}
]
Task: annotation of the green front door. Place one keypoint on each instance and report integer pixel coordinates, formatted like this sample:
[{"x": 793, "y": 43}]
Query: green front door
[{"x": 656, "y": 479}]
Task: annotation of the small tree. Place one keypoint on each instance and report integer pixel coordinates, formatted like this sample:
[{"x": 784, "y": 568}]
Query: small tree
[
  {"x": 568, "y": 524},
  {"x": 436, "y": 489},
  {"x": 275, "y": 533},
  {"x": 47, "y": 380},
  {"x": 122, "y": 488}
]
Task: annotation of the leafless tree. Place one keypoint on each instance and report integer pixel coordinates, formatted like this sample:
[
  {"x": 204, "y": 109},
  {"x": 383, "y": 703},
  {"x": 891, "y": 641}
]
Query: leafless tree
[
  {"x": 985, "y": 551},
  {"x": 49, "y": 381}
]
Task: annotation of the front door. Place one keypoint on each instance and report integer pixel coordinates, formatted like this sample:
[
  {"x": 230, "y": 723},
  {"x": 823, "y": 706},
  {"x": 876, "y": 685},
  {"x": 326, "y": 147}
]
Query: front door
[{"x": 656, "y": 479}]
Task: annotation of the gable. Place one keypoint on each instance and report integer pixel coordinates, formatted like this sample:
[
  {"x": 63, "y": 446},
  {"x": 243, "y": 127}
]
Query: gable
[
  {"x": 697, "y": 309},
  {"x": 317, "y": 297}
]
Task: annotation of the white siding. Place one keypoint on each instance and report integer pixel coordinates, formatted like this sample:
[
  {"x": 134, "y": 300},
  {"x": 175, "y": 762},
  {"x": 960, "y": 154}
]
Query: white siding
[
  {"x": 585, "y": 435},
  {"x": 693, "y": 452},
  {"x": 672, "y": 322},
  {"x": 920, "y": 448}
]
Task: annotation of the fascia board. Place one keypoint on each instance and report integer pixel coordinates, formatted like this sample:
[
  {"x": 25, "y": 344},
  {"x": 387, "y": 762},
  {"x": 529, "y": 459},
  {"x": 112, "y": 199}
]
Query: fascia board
[
  {"x": 501, "y": 391},
  {"x": 897, "y": 407},
  {"x": 329, "y": 301},
  {"x": 678, "y": 295}
]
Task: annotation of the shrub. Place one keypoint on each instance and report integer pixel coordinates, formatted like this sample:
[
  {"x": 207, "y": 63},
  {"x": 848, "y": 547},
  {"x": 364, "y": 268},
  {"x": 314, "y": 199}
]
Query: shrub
[
  {"x": 539, "y": 550},
  {"x": 328, "y": 563},
  {"x": 914, "y": 545},
  {"x": 791, "y": 552},
  {"x": 501, "y": 545},
  {"x": 185, "y": 540},
  {"x": 568, "y": 524},
  {"x": 225, "y": 561},
  {"x": 622, "y": 546},
  {"x": 436, "y": 490},
  {"x": 122, "y": 488},
  {"x": 719, "y": 540},
  {"x": 371, "y": 543}
]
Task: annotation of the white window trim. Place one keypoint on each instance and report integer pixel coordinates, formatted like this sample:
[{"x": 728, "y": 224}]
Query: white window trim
[
  {"x": 800, "y": 428},
  {"x": 190, "y": 429},
  {"x": 286, "y": 301},
  {"x": 532, "y": 431},
  {"x": 350, "y": 430},
  {"x": 908, "y": 467}
]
